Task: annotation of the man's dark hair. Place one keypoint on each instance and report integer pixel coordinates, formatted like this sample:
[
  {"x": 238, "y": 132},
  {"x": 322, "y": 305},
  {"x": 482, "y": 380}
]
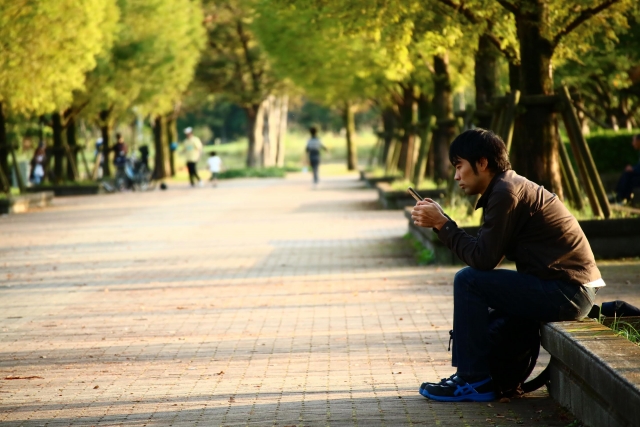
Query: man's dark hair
[
  {"x": 313, "y": 131},
  {"x": 118, "y": 136},
  {"x": 213, "y": 153},
  {"x": 637, "y": 136},
  {"x": 474, "y": 144}
]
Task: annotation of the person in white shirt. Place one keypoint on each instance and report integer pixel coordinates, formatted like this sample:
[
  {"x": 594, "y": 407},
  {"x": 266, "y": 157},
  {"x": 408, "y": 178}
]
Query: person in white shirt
[
  {"x": 215, "y": 167},
  {"x": 192, "y": 150}
]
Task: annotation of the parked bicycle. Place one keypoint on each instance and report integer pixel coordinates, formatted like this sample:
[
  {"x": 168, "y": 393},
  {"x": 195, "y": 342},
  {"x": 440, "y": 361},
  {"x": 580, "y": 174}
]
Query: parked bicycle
[{"x": 133, "y": 175}]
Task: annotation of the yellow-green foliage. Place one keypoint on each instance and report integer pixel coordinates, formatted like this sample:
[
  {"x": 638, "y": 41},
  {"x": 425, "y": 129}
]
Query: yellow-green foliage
[
  {"x": 152, "y": 60},
  {"x": 46, "y": 47}
]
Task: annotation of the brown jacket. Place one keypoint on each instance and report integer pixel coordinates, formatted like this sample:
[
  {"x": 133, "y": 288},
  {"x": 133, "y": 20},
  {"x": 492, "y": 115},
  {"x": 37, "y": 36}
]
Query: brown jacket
[{"x": 529, "y": 225}]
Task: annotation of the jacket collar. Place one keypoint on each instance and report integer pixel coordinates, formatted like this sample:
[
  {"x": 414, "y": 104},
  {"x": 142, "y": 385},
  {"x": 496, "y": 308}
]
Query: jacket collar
[{"x": 482, "y": 201}]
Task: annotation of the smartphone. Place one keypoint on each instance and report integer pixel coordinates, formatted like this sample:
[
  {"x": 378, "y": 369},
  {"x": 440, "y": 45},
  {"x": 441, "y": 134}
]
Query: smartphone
[{"x": 415, "y": 194}]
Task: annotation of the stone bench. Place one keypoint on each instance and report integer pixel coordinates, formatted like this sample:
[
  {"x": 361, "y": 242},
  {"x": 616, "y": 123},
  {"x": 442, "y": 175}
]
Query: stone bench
[
  {"x": 594, "y": 373},
  {"x": 22, "y": 203}
]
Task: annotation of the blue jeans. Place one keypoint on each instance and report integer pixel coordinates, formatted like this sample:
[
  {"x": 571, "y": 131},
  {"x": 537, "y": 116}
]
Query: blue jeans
[{"x": 515, "y": 294}]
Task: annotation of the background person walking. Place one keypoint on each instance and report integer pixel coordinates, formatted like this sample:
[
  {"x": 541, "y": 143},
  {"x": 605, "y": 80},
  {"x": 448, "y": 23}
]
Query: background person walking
[
  {"x": 314, "y": 145},
  {"x": 192, "y": 149}
]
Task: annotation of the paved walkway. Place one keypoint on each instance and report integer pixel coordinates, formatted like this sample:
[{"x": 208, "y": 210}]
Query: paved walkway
[{"x": 261, "y": 302}]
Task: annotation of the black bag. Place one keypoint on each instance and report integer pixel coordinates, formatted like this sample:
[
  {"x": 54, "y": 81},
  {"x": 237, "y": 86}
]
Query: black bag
[
  {"x": 615, "y": 308},
  {"x": 514, "y": 350}
]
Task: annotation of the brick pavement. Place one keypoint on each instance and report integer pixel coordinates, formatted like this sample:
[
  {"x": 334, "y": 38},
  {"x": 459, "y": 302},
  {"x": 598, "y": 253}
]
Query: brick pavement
[{"x": 261, "y": 302}]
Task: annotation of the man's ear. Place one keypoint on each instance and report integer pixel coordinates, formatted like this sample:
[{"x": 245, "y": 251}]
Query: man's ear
[{"x": 482, "y": 164}]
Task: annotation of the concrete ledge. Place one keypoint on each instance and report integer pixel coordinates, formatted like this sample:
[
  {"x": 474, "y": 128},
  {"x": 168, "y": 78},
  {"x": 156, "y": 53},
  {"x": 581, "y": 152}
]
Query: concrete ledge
[
  {"x": 22, "y": 203},
  {"x": 371, "y": 181},
  {"x": 608, "y": 238},
  {"x": 594, "y": 373},
  {"x": 394, "y": 199},
  {"x": 70, "y": 190}
]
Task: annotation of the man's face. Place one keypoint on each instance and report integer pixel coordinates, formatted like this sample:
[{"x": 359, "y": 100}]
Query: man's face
[
  {"x": 636, "y": 143},
  {"x": 469, "y": 181}
]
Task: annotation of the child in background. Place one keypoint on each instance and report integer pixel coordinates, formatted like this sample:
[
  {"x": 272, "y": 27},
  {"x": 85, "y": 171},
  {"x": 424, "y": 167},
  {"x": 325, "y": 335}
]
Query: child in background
[{"x": 215, "y": 165}]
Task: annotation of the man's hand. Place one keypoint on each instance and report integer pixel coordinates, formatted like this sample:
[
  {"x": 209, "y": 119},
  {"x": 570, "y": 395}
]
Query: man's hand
[
  {"x": 429, "y": 214},
  {"x": 629, "y": 168}
]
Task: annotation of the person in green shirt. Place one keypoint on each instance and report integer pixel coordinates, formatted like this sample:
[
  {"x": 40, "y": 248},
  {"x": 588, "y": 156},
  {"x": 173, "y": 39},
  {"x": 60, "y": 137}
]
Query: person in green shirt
[{"x": 192, "y": 150}]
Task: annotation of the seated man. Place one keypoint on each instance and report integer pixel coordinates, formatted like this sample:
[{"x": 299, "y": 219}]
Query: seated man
[
  {"x": 556, "y": 277},
  {"x": 630, "y": 177}
]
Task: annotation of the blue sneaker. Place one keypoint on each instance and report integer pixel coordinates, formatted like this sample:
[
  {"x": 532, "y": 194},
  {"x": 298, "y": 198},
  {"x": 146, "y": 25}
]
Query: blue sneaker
[{"x": 456, "y": 389}]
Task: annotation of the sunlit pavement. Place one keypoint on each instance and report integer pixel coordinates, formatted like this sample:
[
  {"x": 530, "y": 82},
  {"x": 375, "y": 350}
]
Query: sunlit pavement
[{"x": 260, "y": 302}]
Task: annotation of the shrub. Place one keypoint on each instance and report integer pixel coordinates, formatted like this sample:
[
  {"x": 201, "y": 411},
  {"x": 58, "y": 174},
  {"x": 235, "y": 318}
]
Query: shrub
[{"x": 612, "y": 150}]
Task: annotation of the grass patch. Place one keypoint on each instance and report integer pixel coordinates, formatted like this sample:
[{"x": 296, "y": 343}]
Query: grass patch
[
  {"x": 423, "y": 255},
  {"x": 253, "y": 173},
  {"x": 379, "y": 172},
  {"x": 402, "y": 185},
  {"x": 624, "y": 329}
]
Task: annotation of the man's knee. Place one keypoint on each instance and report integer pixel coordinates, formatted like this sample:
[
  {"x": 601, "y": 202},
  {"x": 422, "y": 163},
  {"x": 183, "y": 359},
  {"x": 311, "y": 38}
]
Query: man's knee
[{"x": 464, "y": 279}]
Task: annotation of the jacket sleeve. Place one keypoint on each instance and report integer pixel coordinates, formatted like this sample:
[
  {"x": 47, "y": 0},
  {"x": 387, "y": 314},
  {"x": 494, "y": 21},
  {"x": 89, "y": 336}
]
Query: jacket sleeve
[{"x": 485, "y": 251}]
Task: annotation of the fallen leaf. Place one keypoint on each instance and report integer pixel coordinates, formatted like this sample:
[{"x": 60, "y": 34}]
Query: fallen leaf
[
  {"x": 400, "y": 318},
  {"x": 505, "y": 400},
  {"x": 489, "y": 405},
  {"x": 220, "y": 373},
  {"x": 96, "y": 387},
  {"x": 32, "y": 377}
]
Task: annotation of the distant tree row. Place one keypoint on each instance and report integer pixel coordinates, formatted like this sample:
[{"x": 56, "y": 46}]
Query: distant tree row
[
  {"x": 101, "y": 60},
  {"x": 412, "y": 59}
]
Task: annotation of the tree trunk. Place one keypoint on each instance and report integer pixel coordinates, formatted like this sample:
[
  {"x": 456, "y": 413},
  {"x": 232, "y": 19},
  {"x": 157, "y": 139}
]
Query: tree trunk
[
  {"x": 282, "y": 131},
  {"x": 171, "y": 137},
  {"x": 408, "y": 120},
  {"x": 254, "y": 133},
  {"x": 424, "y": 129},
  {"x": 73, "y": 148},
  {"x": 514, "y": 77},
  {"x": 486, "y": 80},
  {"x": 58, "y": 147},
  {"x": 4, "y": 153},
  {"x": 538, "y": 139},
  {"x": 105, "y": 129},
  {"x": 445, "y": 121},
  {"x": 161, "y": 169},
  {"x": 350, "y": 127},
  {"x": 388, "y": 129}
]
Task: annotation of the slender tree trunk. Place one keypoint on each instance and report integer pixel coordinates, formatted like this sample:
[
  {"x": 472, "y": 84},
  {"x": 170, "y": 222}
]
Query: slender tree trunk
[
  {"x": 424, "y": 129},
  {"x": 73, "y": 148},
  {"x": 486, "y": 80},
  {"x": 105, "y": 129},
  {"x": 408, "y": 119},
  {"x": 445, "y": 121},
  {"x": 255, "y": 122},
  {"x": 514, "y": 77},
  {"x": 388, "y": 129},
  {"x": 4, "y": 151},
  {"x": 539, "y": 138},
  {"x": 58, "y": 147},
  {"x": 282, "y": 131},
  {"x": 171, "y": 137},
  {"x": 350, "y": 127},
  {"x": 162, "y": 169}
]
